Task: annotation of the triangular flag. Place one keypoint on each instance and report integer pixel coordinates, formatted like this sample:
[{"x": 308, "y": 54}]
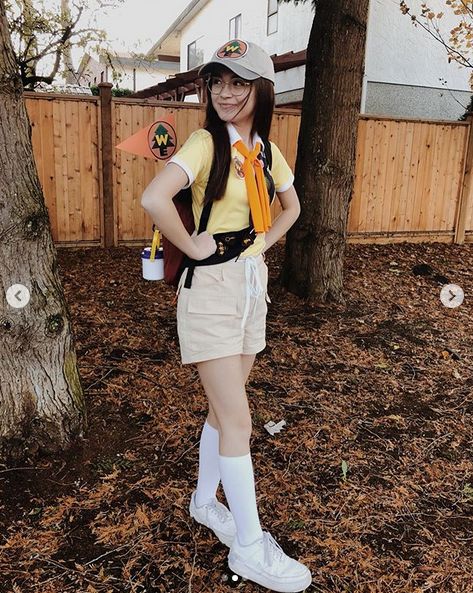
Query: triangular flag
[{"x": 156, "y": 141}]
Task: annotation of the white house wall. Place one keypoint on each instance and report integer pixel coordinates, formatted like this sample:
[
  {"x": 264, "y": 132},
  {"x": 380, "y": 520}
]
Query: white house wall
[
  {"x": 145, "y": 77},
  {"x": 400, "y": 52},
  {"x": 407, "y": 73},
  {"x": 210, "y": 28}
]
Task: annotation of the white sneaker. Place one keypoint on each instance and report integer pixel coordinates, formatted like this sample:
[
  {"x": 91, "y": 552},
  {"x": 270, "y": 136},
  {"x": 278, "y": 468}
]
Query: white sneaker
[
  {"x": 217, "y": 517},
  {"x": 265, "y": 563}
]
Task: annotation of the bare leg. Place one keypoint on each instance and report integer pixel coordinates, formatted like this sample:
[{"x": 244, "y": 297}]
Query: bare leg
[
  {"x": 212, "y": 417},
  {"x": 247, "y": 361},
  {"x": 225, "y": 389}
]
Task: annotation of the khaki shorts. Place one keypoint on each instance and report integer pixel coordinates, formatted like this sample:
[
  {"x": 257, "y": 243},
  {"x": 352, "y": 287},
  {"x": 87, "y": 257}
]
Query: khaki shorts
[{"x": 224, "y": 311}]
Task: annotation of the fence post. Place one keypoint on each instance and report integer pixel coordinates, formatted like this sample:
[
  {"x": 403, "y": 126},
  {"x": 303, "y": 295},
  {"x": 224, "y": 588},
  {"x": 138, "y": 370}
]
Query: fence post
[
  {"x": 105, "y": 91},
  {"x": 466, "y": 193}
]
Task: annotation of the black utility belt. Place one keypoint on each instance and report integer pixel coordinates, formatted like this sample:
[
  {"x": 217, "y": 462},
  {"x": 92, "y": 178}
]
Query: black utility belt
[{"x": 229, "y": 245}]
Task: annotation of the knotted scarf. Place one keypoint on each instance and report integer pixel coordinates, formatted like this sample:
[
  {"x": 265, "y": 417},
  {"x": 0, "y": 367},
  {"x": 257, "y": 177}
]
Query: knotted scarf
[{"x": 257, "y": 191}]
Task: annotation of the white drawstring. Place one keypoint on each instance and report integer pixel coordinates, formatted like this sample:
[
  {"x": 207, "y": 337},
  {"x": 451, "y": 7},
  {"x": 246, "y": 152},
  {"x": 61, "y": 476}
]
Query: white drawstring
[
  {"x": 253, "y": 286},
  {"x": 181, "y": 282}
]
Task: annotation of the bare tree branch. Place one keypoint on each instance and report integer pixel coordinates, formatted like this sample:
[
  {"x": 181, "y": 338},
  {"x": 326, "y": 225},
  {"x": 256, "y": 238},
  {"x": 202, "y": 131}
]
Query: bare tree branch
[
  {"x": 454, "y": 53},
  {"x": 38, "y": 34}
]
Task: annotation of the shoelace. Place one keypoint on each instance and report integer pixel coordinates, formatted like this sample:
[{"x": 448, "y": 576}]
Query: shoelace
[
  {"x": 272, "y": 550},
  {"x": 253, "y": 286},
  {"x": 219, "y": 511}
]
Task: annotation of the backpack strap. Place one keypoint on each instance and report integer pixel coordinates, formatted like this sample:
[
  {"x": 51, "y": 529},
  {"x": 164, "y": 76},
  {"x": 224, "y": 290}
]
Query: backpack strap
[
  {"x": 204, "y": 217},
  {"x": 204, "y": 220},
  {"x": 268, "y": 153}
]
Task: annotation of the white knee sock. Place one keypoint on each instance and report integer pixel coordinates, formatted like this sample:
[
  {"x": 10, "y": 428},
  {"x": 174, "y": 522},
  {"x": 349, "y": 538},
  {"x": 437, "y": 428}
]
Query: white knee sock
[
  {"x": 209, "y": 472},
  {"x": 239, "y": 485}
]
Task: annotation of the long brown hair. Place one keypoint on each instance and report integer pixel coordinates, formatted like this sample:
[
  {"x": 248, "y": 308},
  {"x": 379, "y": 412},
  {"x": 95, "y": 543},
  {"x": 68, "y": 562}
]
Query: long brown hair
[{"x": 264, "y": 107}]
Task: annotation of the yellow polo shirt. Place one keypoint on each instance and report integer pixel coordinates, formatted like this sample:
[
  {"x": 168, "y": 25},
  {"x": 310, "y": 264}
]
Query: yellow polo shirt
[{"x": 232, "y": 212}]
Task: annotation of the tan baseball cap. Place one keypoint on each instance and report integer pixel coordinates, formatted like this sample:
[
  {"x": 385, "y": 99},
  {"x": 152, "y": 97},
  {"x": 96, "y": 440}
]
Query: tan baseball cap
[{"x": 245, "y": 58}]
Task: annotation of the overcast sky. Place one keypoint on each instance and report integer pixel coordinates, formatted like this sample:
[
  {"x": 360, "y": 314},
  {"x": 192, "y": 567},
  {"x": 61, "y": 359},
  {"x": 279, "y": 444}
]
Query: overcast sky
[
  {"x": 133, "y": 26},
  {"x": 136, "y": 24}
]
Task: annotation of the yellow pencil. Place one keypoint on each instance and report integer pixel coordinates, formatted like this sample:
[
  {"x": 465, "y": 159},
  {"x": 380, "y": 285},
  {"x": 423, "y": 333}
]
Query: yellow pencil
[{"x": 155, "y": 245}]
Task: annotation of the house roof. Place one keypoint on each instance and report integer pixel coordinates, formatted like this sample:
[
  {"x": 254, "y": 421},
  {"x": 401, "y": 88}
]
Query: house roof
[
  {"x": 193, "y": 8},
  {"x": 186, "y": 83},
  {"x": 161, "y": 61},
  {"x": 86, "y": 59}
]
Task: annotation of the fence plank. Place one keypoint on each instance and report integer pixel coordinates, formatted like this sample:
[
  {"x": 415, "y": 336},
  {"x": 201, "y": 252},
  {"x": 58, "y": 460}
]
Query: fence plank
[
  {"x": 408, "y": 140},
  {"x": 464, "y": 216},
  {"x": 397, "y": 165},
  {"x": 453, "y": 181},
  {"x": 45, "y": 124},
  {"x": 105, "y": 89}
]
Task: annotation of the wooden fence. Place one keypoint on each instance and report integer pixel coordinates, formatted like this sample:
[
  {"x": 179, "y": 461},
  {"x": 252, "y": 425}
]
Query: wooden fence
[
  {"x": 67, "y": 148},
  {"x": 412, "y": 182}
]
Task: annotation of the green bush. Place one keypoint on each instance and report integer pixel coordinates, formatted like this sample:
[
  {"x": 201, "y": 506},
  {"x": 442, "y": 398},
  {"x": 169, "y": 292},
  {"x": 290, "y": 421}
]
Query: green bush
[{"x": 116, "y": 92}]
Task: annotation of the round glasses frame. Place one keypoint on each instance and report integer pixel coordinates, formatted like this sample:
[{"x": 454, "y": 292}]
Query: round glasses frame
[{"x": 238, "y": 86}]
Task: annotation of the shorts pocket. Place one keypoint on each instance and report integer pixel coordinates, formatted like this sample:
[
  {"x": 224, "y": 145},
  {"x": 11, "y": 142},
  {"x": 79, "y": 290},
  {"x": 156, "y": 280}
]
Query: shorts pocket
[{"x": 210, "y": 323}]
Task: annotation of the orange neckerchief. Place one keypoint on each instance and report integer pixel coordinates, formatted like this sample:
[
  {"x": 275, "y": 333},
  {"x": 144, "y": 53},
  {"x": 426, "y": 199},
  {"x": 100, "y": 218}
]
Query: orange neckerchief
[{"x": 255, "y": 186}]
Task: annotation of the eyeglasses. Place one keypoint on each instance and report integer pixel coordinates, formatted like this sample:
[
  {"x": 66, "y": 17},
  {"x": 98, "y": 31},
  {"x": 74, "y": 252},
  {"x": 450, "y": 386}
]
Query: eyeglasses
[{"x": 238, "y": 86}]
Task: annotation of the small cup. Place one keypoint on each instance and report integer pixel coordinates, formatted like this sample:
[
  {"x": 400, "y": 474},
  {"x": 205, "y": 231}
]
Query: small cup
[{"x": 152, "y": 269}]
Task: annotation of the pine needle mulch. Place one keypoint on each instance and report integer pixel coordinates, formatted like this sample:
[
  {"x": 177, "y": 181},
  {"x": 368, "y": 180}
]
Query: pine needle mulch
[{"x": 370, "y": 482}]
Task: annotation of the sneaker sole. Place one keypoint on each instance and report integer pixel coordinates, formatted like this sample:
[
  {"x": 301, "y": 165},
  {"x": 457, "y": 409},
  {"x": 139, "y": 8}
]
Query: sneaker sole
[
  {"x": 225, "y": 539},
  {"x": 299, "y": 584}
]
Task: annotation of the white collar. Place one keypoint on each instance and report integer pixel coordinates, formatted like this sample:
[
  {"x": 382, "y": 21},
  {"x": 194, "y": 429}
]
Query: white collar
[{"x": 235, "y": 136}]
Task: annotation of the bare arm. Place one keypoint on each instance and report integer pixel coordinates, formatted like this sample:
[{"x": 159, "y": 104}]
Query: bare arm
[
  {"x": 157, "y": 201},
  {"x": 285, "y": 220}
]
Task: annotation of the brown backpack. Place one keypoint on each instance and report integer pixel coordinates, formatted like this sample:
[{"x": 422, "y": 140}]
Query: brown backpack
[{"x": 174, "y": 257}]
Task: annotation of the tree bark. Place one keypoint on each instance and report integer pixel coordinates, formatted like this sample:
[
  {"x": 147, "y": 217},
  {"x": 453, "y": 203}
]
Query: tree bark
[
  {"x": 67, "y": 53},
  {"x": 42, "y": 405},
  {"x": 315, "y": 245}
]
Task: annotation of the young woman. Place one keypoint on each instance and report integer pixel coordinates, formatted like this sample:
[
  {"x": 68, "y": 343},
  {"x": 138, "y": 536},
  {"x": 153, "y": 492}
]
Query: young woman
[{"x": 221, "y": 307}]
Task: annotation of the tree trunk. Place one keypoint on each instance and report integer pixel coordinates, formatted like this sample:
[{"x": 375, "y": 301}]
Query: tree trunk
[
  {"x": 315, "y": 245},
  {"x": 29, "y": 39},
  {"x": 41, "y": 399},
  {"x": 70, "y": 75}
]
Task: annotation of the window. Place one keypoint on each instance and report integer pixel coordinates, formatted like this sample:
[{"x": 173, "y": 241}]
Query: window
[
  {"x": 195, "y": 56},
  {"x": 272, "y": 16},
  {"x": 235, "y": 27}
]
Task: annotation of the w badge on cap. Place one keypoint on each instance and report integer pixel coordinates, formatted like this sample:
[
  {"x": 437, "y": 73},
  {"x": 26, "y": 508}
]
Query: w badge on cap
[{"x": 233, "y": 49}]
